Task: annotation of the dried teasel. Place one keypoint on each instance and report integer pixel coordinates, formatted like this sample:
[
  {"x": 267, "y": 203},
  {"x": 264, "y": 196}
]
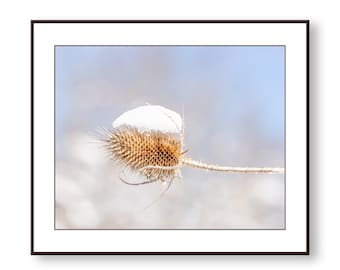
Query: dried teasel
[{"x": 148, "y": 140}]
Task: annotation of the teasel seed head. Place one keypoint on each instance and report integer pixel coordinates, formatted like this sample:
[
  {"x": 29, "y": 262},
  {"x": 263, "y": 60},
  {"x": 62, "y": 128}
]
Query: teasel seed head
[
  {"x": 154, "y": 154},
  {"x": 149, "y": 140}
]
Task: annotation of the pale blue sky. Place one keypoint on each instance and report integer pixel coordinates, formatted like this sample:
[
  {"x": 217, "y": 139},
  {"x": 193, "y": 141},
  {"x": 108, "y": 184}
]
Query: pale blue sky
[{"x": 235, "y": 86}]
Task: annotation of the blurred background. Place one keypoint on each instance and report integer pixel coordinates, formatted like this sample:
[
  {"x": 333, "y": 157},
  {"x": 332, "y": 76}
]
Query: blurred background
[{"x": 232, "y": 98}]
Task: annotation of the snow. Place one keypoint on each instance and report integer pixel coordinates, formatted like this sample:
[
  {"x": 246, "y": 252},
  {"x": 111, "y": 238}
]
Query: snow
[{"x": 151, "y": 118}]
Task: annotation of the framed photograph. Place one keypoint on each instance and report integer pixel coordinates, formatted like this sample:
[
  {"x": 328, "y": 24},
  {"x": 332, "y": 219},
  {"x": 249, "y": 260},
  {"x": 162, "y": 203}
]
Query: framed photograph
[{"x": 170, "y": 137}]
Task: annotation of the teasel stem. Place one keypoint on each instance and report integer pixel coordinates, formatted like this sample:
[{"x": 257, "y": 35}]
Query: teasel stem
[{"x": 240, "y": 170}]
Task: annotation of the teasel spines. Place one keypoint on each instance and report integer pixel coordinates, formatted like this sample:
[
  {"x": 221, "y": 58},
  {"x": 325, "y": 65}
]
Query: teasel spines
[{"x": 154, "y": 154}]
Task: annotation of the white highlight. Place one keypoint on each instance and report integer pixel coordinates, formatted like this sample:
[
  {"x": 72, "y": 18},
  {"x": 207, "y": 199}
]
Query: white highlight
[{"x": 151, "y": 118}]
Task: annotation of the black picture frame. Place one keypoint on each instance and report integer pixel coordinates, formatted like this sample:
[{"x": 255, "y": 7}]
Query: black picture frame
[{"x": 307, "y": 25}]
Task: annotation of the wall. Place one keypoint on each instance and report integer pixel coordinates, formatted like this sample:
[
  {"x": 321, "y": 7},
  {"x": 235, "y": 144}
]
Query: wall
[{"x": 14, "y": 118}]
